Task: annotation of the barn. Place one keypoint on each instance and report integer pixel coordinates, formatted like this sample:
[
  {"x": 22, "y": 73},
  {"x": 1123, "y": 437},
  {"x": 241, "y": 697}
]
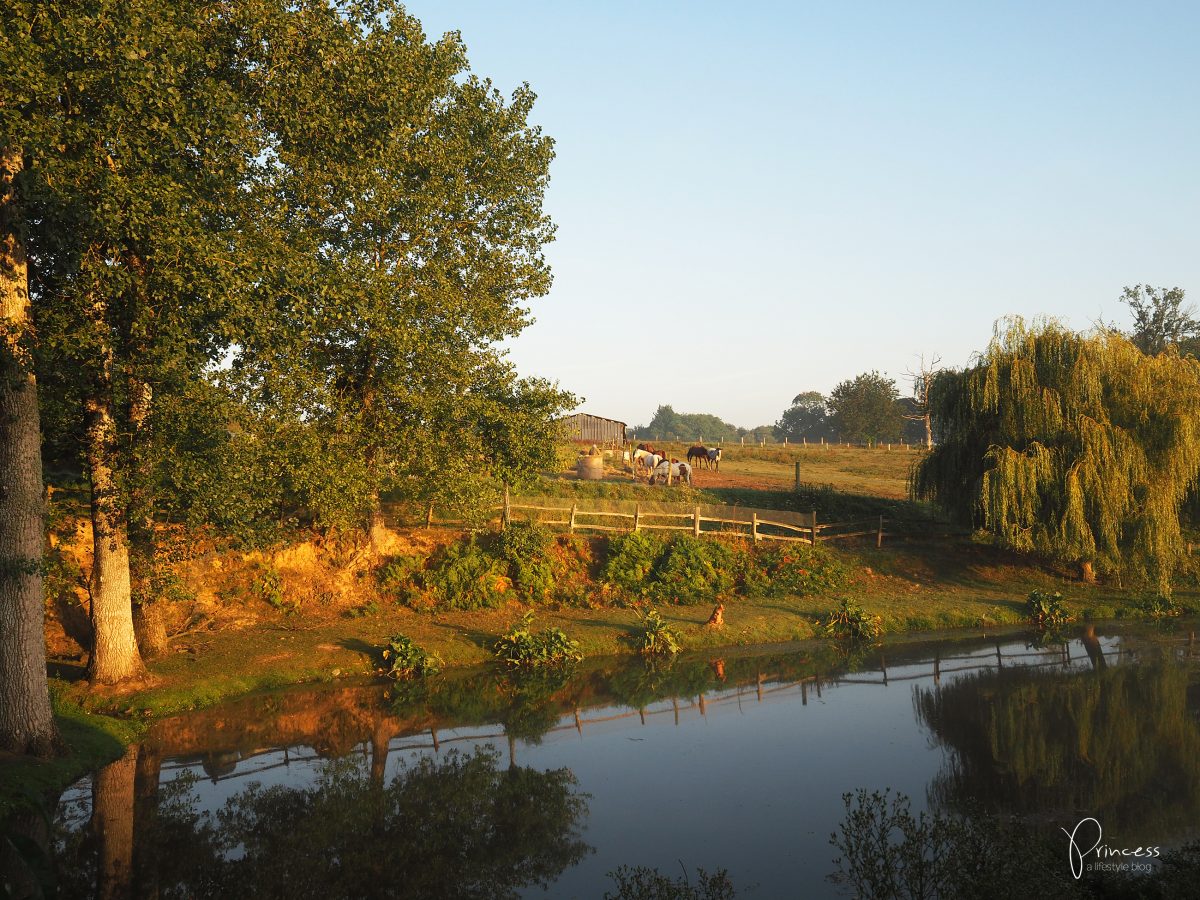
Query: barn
[{"x": 597, "y": 430}]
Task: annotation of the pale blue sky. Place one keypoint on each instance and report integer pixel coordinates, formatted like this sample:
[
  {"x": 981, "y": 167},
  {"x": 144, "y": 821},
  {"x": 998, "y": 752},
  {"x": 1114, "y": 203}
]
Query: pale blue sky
[{"x": 758, "y": 199}]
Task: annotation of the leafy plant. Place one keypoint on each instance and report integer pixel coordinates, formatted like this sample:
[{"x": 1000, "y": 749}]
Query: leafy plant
[
  {"x": 370, "y": 608},
  {"x": 464, "y": 576},
  {"x": 1046, "y": 611},
  {"x": 399, "y": 573},
  {"x": 403, "y": 659},
  {"x": 268, "y": 587},
  {"x": 798, "y": 569},
  {"x": 851, "y": 622},
  {"x": 656, "y": 638},
  {"x": 521, "y": 646},
  {"x": 1155, "y": 607},
  {"x": 631, "y": 557},
  {"x": 527, "y": 547},
  {"x": 693, "y": 570}
]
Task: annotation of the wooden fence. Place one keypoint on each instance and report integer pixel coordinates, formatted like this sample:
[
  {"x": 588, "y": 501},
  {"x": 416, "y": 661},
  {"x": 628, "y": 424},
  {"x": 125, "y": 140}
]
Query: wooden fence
[{"x": 700, "y": 520}]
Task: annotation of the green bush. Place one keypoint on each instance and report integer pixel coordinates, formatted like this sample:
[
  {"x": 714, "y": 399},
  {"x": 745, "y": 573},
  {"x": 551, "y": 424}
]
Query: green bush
[
  {"x": 399, "y": 574},
  {"x": 693, "y": 570},
  {"x": 798, "y": 569},
  {"x": 631, "y": 558},
  {"x": 522, "y": 647},
  {"x": 403, "y": 659},
  {"x": 268, "y": 586},
  {"x": 526, "y": 547},
  {"x": 462, "y": 576},
  {"x": 1154, "y": 607},
  {"x": 656, "y": 637},
  {"x": 851, "y": 622},
  {"x": 1045, "y": 610}
]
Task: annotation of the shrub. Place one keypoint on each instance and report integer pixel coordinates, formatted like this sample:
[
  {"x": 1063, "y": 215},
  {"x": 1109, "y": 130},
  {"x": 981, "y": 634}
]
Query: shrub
[
  {"x": 851, "y": 622},
  {"x": 399, "y": 574},
  {"x": 693, "y": 570},
  {"x": 798, "y": 569},
  {"x": 1154, "y": 607},
  {"x": 657, "y": 638},
  {"x": 462, "y": 576},
  {"x": 631, "y": 558},
  {"x": 645, "y": 882},
  {"x": 268, "y": 586},
  {"x": 403, "y": 659},
  {"x": 1045, "y": 610},
  {"x": 526, "y": 547},
  {"x": 520, "y": 646}
]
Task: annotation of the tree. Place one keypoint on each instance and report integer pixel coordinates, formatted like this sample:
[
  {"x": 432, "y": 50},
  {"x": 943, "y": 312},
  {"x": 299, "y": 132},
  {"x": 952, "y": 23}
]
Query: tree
[
  {"x": 864, "y": 408},
  {"x": 26, "y": 721},
  {"x": 1160, "y": 320},
  {"x": 922, "y": 381},
  {"x": 668, "y": 425},
  {"x": 806, "y": 419},
  {"x": 1077, "y": 447},
  {"x": 400, "y": 276}
]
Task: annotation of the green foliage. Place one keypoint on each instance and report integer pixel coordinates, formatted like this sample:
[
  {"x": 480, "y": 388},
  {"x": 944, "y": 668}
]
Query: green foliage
[
  {"x": 465, "y": 576},
  {"x": 806, "y": 419},
  {"x": 1160, "y": 320},
  {"x": 1076, "y": 447},
  {"x": 656, "y": 637},
  {"x": 693, "y": 570},
  {"x": 795, "y": 570},
  {"x": 267, "y": 586},
  {"x": 521, "y": 647},
  {"x": 399, "y": 574},
  {"x": 527, "y": 548},
  {"x": 668, "y": 425},
  {"x": 1046, "y": 611},
  {"x": 646, "y": 883},
  {"x": 852, "y": 623},
  {"x": 402, "y": 659},
  {"x": 866, "y": 409},
  {"x": 631, "y": 557},
  {"x": 1155, "y": 607}
]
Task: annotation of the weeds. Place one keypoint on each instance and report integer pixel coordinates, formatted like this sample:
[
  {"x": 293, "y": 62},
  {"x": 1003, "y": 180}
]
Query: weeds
[
  {"x": 656, "y": 638},
  {"x": 1046, "y": 611},
  {"x": 851, "y": 622},
  {"x": 521, "y": 647},
  {"x": 402, "y": 659}
]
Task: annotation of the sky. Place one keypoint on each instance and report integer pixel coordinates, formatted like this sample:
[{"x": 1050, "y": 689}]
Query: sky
[{"x": 763, "y": 198}]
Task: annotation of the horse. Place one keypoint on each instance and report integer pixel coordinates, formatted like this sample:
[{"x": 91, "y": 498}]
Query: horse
[
  {"x": 714, "y": 458},
  {"x": 697, "y": 452},
  {"x": 680, "y": 472},
  {"x": 645, "y": 457}
]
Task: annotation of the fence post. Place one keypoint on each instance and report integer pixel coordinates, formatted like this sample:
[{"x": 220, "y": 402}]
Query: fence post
[
  {"x": 429, "y": 516},
  {"x": 571, "y": 526},
  {"x": 879, "y": 534},
  {"x": 796, "y": 486},
  {"x": 754, "y": 526},
  {"x": 813, "y": 537},
  {"x": 637, "y": 516},
  {"x": 506, "y": 520},
  {"x": 696, "y": 528}
]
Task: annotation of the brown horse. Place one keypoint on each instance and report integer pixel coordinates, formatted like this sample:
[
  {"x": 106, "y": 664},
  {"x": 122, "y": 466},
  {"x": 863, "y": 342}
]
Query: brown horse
[{"x": 697, "y": 453}]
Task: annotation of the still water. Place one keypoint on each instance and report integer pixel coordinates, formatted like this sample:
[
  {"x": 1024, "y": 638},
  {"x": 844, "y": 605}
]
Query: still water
[{"x": 481, "y": 785}]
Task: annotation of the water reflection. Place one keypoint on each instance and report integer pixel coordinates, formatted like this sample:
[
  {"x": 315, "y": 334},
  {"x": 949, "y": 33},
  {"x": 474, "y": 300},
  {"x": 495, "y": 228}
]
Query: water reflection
[
  {"x": 480, "y": 785},
  {"x": 1120, "y": 743},
  {"x": 461, "y": 826}
]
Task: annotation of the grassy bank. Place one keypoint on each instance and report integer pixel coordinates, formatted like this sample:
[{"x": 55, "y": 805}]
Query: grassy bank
[{"x": 914, "y": 586}]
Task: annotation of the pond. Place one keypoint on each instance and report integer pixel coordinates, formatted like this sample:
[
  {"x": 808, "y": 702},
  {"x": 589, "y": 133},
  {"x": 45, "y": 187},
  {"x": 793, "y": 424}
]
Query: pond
[{"x": 481, "y": 785}]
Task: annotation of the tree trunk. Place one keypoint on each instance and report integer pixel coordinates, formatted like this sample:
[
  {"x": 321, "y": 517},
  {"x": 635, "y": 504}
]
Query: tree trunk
[
  {"x": 1087, "y": 572},
  {"x": 928, "y": 431},
  {"x": 26, "y": 721},
  {"x": 115, "y": 654},
  {"x": 148, "y": 625},
  {"x": 147, "y": 849}
]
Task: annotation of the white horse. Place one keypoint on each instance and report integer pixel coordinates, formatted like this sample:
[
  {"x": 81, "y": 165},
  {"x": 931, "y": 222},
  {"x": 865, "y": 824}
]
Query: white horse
[
  {"x": 680, "y": 472},
  {"x": 714, "y": 458},
  {"x": 647, "y": 459}
]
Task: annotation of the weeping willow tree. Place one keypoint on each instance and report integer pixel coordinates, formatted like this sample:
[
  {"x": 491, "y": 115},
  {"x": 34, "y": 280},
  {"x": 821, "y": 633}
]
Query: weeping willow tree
[{"x": 1074, "y": 446}]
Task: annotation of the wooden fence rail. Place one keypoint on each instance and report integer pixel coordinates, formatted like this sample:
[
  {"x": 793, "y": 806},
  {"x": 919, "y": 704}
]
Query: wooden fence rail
[{"x": 755, "y": 524}]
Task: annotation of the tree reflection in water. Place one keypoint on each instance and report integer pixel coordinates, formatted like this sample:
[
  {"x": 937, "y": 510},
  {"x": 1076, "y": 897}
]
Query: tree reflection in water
[
  {"x": 1121, "y": 744},
  {"x": 462, "y": 826}
]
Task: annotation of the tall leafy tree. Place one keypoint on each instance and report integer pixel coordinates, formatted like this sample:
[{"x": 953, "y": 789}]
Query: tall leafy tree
[
  {"x": 1078, "y": 447},
  {"x": 410, "y": 194},
  {"x": 1160, "y": 319},
  {"x": 147, "y": 145},
  {"x": 26, "y": 722},
  {"x": 806, "y": 419},
  {"x": 864, "y": 408}
]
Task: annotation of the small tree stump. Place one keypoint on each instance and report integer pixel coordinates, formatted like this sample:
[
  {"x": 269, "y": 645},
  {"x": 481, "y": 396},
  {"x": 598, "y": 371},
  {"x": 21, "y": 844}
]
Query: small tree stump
[{"x": 717, "y": 619}]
